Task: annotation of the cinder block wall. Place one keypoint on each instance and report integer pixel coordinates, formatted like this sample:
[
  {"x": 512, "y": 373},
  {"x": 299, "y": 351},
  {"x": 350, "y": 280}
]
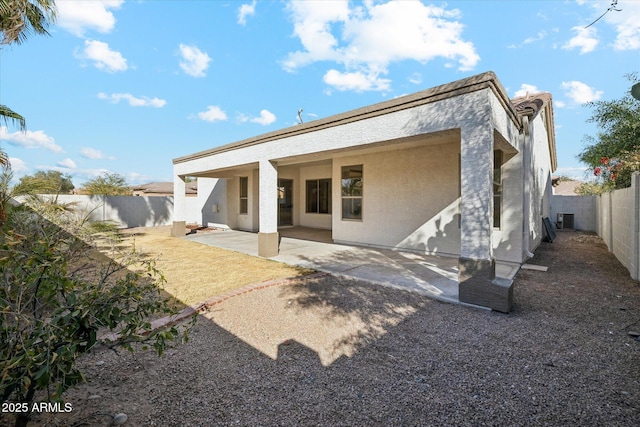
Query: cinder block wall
[
  {"x": 619, "y": 224},
  {"x": 130, "y": 211},
  {"x": 583, "y": 207},
  {"x": 615, "y": 216}
]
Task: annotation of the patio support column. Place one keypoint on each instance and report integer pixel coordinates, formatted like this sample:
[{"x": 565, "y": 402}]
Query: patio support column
[
  {"x": 179, "y": 207},
  {"x": 268, "y": 235},
  {"x": 477, "y": 283}
]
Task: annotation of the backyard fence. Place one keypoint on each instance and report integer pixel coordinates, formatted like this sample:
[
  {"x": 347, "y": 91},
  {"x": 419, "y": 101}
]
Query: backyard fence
[
  {"x": 129, "y": 211},
  {"x": 615, "y": 216},
  {"x": 619, "y": 224}
]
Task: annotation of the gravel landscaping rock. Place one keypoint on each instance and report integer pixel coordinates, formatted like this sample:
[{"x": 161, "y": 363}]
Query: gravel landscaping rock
[{"x": 334, "y": 352}]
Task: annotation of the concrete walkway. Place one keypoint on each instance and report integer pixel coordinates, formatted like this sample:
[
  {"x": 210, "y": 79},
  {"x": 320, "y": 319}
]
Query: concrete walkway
[{"x": 436, "y": 277}]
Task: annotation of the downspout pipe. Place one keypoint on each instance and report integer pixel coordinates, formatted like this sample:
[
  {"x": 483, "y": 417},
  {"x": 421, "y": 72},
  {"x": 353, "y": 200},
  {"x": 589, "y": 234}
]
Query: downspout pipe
[{"x": 526, "y": 182}]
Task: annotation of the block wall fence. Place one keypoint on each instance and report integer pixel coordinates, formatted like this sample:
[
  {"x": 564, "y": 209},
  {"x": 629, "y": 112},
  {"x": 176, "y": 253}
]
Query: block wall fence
[{"x": 615, "y": 216}]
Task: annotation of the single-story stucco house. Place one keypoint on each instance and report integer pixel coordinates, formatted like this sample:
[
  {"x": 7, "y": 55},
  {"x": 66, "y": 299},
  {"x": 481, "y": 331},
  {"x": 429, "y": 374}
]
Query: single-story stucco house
[{"x": 456, "y": 170}]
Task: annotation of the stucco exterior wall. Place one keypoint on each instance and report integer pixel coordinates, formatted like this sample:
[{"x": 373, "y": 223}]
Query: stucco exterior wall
[
  {"x": 410, "y": 200},
  {"x": 540, "y": 176},
  {"x": 507, "y": 239},
  {"x": 212, "y": 203},
  {"x": 248, "y": 221}
]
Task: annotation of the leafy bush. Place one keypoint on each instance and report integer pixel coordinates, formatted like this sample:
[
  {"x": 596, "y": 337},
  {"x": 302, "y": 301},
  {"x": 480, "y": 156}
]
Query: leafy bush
[
  {"x": 57, "y": 296},
  {"x": 593, "y": 188}
]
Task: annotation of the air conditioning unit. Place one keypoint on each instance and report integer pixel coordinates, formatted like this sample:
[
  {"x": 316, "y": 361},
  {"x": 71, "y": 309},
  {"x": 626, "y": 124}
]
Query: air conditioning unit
[{"x": 565, "y": 221}]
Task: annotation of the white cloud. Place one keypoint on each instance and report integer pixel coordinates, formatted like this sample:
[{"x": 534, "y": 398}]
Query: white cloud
[
  {"x": 357, "y": 81},
  {"x": 94, "y": 154},
  {"x": 624, "y": 19},
  {"x": 103, "y": 57},
  {"x": 138, "y": 178},
  {"x": 246, "y": 10},
  {"x": 526, "y": 89},
  {"x": 133, "y": 101},
  {"x": 18, "y": 165},
  {"x": 580, "y": 92},
  {"x": 194, "y": 61},
  {"x": 212, "y": 114},
  {"x": 67, "y": 163},
  {"x": 626, "y": 24},
  {"x": 79, "y": 16},
  {"x": 373, "y": 36},
  {"x": 585, "y": 39},
  {"x": 415, "y": 78},
  {"x": 266, "y": 118},
  {"x": 30, "y": 139},
  {"x": 559, "y": 104},
  {"x": 541, "y": 35}
]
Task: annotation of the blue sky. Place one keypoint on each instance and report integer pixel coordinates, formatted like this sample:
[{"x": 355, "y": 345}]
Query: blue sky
[{"x": 126, "y": 86}]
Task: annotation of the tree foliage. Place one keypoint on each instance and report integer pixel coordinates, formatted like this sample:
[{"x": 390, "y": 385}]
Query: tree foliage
[
  {"x": 18, "y": 20},
  {"x": 56, "y": 299},
  {"x": 618, "y": 137},
  {"x": 109, "y": 184},
  {"x": 21, "y": 18},
  {"x": 7, "y": 115},
  {"x": 46, "y": 182}
]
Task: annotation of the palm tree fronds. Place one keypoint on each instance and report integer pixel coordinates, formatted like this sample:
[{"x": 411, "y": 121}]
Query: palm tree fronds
[
  {"x": 8, "y": 115},
  {"x": 21, "y": 18}
]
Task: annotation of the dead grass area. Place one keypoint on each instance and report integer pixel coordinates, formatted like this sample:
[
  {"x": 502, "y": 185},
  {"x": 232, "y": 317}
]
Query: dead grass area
[{"x": 196, "y": 272}]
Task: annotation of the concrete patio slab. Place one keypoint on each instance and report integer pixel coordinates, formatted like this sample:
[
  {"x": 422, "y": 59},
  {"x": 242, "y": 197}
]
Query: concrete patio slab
[{"x": 436, "y": 277}]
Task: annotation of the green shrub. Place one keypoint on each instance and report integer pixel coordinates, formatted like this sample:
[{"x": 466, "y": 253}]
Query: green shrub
[{"x": 56, "y": 298}]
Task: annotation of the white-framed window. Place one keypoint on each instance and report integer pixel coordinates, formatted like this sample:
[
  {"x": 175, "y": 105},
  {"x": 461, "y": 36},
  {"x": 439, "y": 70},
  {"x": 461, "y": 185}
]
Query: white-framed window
[
  {"x": 244, "y": 195},
  {"x": 497, "y": 188},
  {"x": 352, "y": 192},
  {"x": 318, "y": 194}
]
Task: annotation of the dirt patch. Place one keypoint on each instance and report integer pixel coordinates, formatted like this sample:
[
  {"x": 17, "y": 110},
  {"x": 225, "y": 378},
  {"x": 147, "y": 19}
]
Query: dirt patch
[
  {"x": 329, "y": 351},
  {"x": 195, "y": 271}
]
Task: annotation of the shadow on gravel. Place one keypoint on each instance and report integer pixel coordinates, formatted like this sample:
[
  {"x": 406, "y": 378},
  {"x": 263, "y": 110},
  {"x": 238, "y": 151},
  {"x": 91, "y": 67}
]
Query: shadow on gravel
[
  {"x": 370, "y": 308},
  {"x": 563, "y": 357}
]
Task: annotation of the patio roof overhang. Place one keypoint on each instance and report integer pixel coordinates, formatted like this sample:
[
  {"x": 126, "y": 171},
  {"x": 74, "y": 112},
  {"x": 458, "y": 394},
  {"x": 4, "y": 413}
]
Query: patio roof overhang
[{"x": 462, "y": 87}]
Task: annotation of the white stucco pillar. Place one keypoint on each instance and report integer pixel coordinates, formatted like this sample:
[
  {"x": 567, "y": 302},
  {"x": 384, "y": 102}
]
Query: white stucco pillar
[
  {"x": 476, "y": 161},
  {"x": 268, "y": 209},
  {"x": 476, "y": 275},
  {"x": 179, "y": 207}
]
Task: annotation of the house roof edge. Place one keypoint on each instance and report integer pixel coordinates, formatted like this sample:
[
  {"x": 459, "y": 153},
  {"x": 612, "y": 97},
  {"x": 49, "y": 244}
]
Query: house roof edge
[{"x": 448, "y": 90}]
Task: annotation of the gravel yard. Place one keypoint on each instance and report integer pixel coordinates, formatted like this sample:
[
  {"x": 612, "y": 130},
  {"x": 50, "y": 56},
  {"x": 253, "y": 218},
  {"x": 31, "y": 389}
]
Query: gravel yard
[{"x": 335, "y": 352}]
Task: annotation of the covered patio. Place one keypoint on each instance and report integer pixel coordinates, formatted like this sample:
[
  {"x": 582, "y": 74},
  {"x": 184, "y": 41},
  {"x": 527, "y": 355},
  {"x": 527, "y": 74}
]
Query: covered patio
[
  {"x": 429, "y": 275},
  {"x": 439, "y": 172}
]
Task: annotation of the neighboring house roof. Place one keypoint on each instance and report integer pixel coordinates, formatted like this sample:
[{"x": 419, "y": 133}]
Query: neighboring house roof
[
  {"x": 564, "y": 188},
  {"x": 438, "y": 93},
  {"x": 164, "y": 188},
  {"x": 534, "y": 104}
]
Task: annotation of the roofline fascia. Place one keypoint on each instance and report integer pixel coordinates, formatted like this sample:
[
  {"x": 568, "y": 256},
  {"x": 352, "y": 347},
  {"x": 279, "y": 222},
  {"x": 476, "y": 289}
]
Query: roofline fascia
[{"x": 438, "y": 93}]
